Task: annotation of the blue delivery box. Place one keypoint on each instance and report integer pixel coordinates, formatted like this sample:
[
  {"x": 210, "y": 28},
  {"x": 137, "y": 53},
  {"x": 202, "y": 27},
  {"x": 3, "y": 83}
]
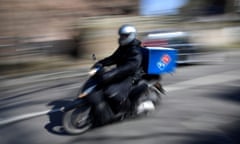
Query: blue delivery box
[{"x": 159, "y": 60}]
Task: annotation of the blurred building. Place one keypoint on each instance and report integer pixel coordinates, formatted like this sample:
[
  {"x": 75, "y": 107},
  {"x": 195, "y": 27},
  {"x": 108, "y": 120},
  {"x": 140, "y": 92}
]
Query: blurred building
[
  {"x": 39, "y": 26},
  {"x": 46, "y": 26}
]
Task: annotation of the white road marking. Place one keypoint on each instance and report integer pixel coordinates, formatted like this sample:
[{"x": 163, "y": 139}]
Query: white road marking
[
  {"x": 29, "y": 80},
  {"x": 206, "y": 80},
  {"x": 26, "y": 116},
  {"x": 22, "y": 117}
]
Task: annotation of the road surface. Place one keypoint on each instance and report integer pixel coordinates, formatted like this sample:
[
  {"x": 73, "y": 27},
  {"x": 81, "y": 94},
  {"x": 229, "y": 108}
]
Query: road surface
[{"x": 202, "y": 105}]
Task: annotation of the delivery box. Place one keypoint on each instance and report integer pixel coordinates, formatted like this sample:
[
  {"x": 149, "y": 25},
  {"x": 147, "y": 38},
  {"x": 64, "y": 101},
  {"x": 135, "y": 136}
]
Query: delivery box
[{"x": 159, "y": 60}]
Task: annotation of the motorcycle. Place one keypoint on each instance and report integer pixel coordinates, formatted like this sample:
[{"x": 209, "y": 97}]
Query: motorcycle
[{"x": 145, "y": 97}]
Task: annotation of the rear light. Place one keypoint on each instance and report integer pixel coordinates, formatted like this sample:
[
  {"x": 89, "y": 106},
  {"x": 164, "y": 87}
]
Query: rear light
[{"x": 155, "y": 43}]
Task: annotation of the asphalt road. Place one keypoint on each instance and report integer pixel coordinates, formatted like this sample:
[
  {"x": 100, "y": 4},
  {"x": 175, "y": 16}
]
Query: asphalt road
[{"x": 201, "y": 106}]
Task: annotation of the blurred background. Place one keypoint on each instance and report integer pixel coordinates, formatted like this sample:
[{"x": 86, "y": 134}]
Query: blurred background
[
  {"x": 46, "y": 49},
  {"x": 42, "y": 35}
]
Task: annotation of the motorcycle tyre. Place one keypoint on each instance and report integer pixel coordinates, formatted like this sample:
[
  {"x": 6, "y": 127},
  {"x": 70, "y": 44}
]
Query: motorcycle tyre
[{"x": 72, "y": 117}]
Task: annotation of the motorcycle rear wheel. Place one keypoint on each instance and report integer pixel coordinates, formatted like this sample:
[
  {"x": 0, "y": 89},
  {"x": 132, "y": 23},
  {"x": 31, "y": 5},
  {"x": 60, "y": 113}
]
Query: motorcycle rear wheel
[
  {"x": 152, "y": 95},
  {"x": 78, "y": 120}
]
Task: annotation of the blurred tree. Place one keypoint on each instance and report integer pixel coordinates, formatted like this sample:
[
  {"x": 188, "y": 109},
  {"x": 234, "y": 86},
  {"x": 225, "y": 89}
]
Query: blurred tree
[{"x": 207, "y": 7}]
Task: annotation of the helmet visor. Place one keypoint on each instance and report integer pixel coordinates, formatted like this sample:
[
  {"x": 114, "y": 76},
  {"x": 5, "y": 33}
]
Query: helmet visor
[{"x": 124, "y": 36}]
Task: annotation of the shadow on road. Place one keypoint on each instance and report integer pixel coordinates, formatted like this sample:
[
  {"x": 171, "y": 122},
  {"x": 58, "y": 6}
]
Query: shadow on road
[
  {"x": 228, "y": 93},
  {"x": 55, "y": 118},
  {"x": 229, "y": 134}
]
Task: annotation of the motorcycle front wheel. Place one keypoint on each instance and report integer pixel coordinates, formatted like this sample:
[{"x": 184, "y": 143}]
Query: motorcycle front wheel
[{"x": 78, "y": 120}]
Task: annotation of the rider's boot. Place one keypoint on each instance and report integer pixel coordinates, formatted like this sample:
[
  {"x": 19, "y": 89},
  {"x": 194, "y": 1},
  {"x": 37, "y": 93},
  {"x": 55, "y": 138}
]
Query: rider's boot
[
  {"x": 125, "y": 110},
  {"x": 103, "y": 113}
]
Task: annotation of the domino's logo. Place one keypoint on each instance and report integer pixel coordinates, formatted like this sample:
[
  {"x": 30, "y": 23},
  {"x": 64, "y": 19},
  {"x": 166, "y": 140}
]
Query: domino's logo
[{"x": 164, "y": 61}]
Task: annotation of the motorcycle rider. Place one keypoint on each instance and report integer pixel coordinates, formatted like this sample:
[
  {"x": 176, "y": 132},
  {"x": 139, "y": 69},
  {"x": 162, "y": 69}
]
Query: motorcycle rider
[{"x": 118, "y": 81}]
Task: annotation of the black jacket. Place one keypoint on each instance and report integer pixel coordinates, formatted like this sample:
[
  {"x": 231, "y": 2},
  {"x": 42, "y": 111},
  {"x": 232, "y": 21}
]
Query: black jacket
[{"x": 127, "y": 59}]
